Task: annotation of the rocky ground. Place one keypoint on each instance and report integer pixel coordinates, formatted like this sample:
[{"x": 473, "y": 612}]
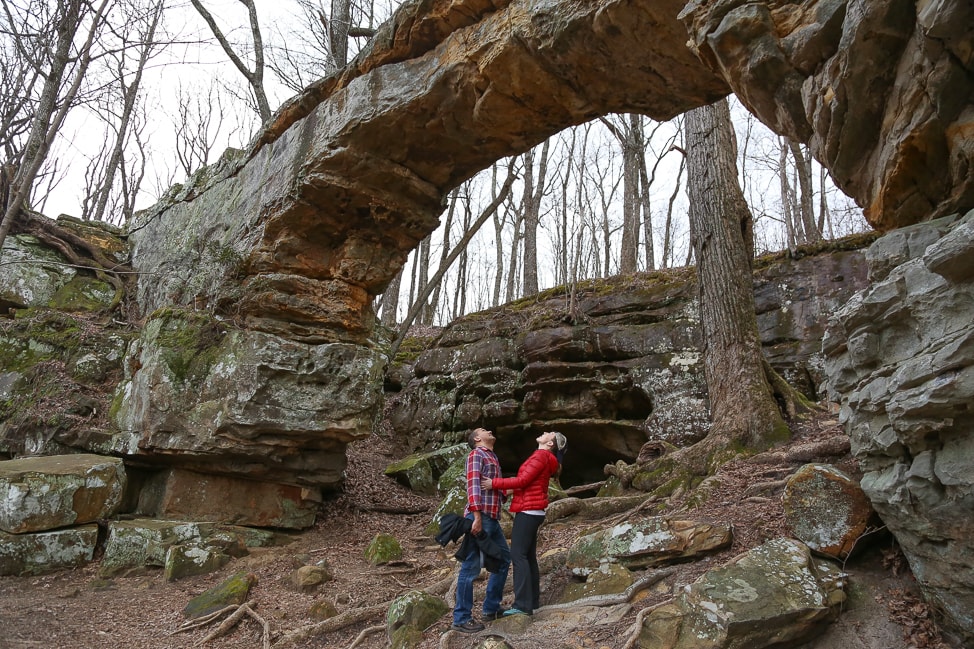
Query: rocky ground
[{"x": 77, "y": 609}]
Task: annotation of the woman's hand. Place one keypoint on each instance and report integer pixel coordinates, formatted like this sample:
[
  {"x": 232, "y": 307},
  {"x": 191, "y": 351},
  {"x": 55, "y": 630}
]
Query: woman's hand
[{"x": 486, "y": 483}]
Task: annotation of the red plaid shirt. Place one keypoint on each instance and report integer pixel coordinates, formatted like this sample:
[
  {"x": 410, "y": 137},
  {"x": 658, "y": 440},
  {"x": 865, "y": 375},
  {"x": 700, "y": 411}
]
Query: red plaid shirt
[{"x": 482, "y": 463}]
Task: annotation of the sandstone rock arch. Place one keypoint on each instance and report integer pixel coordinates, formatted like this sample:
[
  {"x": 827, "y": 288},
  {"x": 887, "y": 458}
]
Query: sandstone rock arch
[{"x": 350, "y": 175}]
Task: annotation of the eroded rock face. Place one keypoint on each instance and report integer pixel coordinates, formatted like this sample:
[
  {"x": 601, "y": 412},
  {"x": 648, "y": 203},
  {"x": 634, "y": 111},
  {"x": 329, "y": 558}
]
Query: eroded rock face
[
  {"x": 900, "y": 359},
  {"x": 620, "y": 368},
  {"x": 881, "y": 91},
  {"x": 204, "y": 395}
]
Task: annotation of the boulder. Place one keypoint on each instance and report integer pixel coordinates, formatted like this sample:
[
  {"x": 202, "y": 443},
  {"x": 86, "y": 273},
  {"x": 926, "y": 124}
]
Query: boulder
[
  {"x": 134, "y": 545},
  {"x": 777, "y": 594},
  {"x": 421, "y": 472},
  {"x": 827, "y": 510},
  {"x": 40, "y": 552},
  {"x": 607, "y": 579},
  {"x": 384, "y": 548},
  {"x": 644, "y": 543},
  {"x": 45, "y": 493},
  {"x": 416, "y": 610},
  {"x": 230, "y": 592},
  {"x": 307, "y": 578},
  {"x": 191, "y": 559}
]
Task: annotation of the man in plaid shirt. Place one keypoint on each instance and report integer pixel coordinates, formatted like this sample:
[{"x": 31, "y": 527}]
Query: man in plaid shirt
[{"x": 483, "y": 508}]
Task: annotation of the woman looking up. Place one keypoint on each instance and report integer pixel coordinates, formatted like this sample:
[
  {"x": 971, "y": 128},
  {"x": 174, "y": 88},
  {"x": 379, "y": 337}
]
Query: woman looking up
[{"x": 528, "y": 505}]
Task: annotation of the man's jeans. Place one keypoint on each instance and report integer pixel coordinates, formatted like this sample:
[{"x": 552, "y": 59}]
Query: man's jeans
[{"x": 470, "y": 569}]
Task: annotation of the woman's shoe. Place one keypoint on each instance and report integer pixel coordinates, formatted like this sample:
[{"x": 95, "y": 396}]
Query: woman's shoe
[{"x": 514, "y": 611}]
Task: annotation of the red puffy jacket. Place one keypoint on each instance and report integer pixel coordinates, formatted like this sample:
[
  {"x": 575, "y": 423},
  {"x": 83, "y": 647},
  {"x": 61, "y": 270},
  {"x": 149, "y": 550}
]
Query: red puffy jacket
[{"x": 531, "y": 484}]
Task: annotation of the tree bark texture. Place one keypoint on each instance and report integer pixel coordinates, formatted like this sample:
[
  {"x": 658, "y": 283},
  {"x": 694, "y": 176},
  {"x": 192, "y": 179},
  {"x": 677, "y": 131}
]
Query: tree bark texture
[{"x": 742, "y": 403}]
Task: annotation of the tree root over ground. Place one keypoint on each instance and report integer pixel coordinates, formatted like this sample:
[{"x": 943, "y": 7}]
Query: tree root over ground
[
  {"x": 236, "y": 614},
  {"x": 353, "y": 616}
]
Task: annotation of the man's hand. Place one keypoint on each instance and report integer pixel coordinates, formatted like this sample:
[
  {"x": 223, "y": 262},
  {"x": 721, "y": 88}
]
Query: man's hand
[{"x": 478, "y": 524}]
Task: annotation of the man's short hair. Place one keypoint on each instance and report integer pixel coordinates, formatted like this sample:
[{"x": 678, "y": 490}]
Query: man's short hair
[{"x": 472, "y": 438}]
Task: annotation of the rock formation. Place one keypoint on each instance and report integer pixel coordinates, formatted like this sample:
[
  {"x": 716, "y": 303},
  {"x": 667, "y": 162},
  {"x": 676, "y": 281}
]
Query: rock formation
[
  {"x": 881, "y": 91},
  {"x": 900, "y": 359},
  {"x": 287, "y": 243},
  {"x": 612, "y": 365}
]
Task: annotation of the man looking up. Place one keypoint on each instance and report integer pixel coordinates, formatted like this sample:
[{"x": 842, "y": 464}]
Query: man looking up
[{"x": 483, "y": 509}]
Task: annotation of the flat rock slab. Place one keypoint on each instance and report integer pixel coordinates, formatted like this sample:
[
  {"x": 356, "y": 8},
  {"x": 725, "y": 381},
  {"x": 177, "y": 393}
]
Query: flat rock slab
[
  {"x": 46, "y": 493},
  {"x": 33, "y": 554}
]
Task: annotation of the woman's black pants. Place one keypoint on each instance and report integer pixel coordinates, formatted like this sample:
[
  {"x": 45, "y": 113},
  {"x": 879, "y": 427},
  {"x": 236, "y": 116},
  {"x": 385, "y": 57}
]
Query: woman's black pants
[{"x": 524, "y": 557}]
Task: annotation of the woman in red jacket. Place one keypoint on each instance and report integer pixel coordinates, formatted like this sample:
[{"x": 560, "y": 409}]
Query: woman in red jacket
[{"x": 528, "y": 505}]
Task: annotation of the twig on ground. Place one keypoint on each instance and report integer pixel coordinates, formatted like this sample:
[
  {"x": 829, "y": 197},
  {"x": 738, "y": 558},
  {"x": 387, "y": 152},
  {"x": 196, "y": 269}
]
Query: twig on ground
[{"x": 238, "y": 613}]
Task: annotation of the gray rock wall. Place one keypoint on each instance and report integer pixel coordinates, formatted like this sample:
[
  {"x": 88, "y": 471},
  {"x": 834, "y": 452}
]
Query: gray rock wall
[{"x": 900, "y": 359}]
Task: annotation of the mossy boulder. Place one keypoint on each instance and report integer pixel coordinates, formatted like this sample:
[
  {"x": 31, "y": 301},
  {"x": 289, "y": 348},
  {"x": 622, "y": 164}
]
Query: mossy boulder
[
  {"x": 233, "y": 591},
  {"x": 384, "y": 548},
  {"x": 422, "y": 472},
  {"x": 454, "y": 502},
  {"x": 416, "y": 610},
  {"x": 777, "y": 594},
  {"x": 607, "y": 579}
]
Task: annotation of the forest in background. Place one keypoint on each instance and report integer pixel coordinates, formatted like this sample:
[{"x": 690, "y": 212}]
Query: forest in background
[{"x": 105, "y": 104}]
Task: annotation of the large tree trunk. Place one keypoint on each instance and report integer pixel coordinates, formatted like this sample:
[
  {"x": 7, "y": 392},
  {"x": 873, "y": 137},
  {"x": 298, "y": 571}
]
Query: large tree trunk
[{"x": 742, "y": 404}]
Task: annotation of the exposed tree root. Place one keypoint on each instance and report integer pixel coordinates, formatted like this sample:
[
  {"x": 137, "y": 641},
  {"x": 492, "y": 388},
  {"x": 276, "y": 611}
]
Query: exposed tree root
[
  {"x": 237, "y": 613},
  {"x": 78, "y": 252},
  {"x": 637, "y": 626},
  {"x": 593, "y": 508},
  {"x": 353, "y": 616},
  {"x": 624, "y": 597},
  {"x": 366, "y": 632}
]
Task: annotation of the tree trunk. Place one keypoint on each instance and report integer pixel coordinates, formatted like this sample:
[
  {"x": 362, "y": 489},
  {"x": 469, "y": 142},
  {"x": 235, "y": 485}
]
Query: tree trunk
[
  {"x": 130, "y": 93},
  {"x": 803, "y": 169},
  {"x": 56, "y": 99},
  {"x": 743, "y": 408}
]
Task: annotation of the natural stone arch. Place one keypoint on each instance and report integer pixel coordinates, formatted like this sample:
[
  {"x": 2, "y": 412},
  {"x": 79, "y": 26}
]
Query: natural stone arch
[{"x": 351, "y": 175}]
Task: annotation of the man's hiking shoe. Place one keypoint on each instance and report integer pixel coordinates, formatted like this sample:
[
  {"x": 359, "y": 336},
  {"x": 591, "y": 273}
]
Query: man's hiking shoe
[
  {"x": 496, "y": 615},
  {"x": 470, "y": 626},
  {"x": 515, "y": 611}
]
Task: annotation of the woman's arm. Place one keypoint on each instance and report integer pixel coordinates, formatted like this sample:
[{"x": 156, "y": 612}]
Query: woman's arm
[{"x": 526, "y": 474}]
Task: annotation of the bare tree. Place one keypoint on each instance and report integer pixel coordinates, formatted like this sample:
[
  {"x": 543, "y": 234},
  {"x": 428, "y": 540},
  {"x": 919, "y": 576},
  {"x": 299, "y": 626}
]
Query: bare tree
[
  {"x": 628, "y": 132},
  {"x": 322, "y": 43},
  {"x": 531, "y": 201},
  {"x": 138, "y": 36},
  {"x": 255, "y": 76},
  {"x": 803, "y": 172},
  {"x": 457, "y": 250},
  {"x": 48, "y": 42}
]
